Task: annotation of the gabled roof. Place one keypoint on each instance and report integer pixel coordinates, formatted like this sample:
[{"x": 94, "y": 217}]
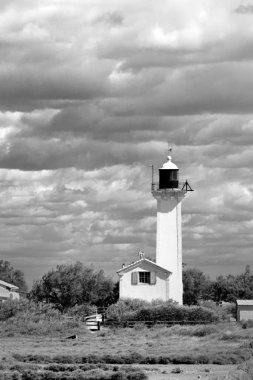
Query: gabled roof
[
  {"x": 7, "y": 285},
  {"x": 142, "y": 260},
  {"x": 244, "y": 302}
]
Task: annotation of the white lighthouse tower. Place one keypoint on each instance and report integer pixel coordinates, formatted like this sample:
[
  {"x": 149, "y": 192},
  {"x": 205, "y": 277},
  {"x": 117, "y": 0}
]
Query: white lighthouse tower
[
  {"x": 149, "y": 280},
  {"x": 169, "y": 195}
]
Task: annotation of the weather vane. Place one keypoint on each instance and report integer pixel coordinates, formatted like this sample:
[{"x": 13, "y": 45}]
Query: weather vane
[{"x": 169, "y": 149}]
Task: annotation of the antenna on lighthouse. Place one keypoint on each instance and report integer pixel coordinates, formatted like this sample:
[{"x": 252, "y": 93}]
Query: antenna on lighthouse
[{"x": 152, "y": 178}]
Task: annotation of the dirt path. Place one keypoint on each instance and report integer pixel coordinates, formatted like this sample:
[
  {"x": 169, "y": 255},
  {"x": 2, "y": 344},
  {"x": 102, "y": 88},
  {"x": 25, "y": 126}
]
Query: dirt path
[{"x": 188, "y": 371}]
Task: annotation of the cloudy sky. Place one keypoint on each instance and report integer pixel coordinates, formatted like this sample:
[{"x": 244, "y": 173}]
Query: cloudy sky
[{"x": 91, "y": 92}]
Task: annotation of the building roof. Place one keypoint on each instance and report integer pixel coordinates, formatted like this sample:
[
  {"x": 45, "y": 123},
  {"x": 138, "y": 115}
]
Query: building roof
[
  {"x": 169, "y": 164},
  {"x": 143, "y": 259},
  {"x": 7, "y": 285},
  {"x": 244, "y": 302}
]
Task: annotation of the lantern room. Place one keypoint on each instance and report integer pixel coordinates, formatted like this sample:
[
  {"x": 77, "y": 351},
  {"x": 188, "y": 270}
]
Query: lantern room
[{"x": 168, "y": 175}]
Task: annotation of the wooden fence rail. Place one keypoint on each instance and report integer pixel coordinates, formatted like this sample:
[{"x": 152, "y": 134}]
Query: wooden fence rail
[{"x": 153, "y": 323}]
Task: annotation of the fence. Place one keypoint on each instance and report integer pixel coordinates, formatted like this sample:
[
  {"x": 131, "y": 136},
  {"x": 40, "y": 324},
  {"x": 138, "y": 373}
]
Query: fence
[{"x": 153, "y": 323}]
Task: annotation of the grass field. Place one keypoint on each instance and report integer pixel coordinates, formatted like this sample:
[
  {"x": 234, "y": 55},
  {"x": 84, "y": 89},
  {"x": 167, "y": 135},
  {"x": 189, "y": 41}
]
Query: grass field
[{"x": 223, "y": 344}]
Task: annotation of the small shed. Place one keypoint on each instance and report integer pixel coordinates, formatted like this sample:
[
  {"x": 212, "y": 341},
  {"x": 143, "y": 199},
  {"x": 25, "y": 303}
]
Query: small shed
[
  {"x": 8, "y": 291},
  {"x": 144, "y": 279},
  {"x": 244, "y": 310}
]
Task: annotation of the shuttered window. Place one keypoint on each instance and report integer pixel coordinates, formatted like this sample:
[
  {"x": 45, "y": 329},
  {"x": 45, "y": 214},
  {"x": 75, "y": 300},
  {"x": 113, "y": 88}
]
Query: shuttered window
[
  {"x": 134, "y": 278},
  {"x": 143, "y": 278},
  {"x": 152, "y": 278}
]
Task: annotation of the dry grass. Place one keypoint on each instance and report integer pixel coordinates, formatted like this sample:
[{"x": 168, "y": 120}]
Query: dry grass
[
  {"x": 51, "y": 357},
  {"x": 221, "y": 344},
  {"x": 26, "y": 371}
]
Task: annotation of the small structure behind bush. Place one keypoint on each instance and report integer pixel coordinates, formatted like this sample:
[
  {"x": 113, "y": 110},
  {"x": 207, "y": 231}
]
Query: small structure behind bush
[
  {"x": 8, "y": 291},
  {"x": 244, "y": 310}
]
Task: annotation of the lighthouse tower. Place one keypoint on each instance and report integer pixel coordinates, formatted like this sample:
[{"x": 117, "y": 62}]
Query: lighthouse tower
[{"x": 169, "y": 195}]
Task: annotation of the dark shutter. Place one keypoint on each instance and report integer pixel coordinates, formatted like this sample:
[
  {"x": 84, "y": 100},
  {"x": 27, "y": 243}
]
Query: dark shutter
[
  {"x": 134, "y": 277},
  {"x": 152, "y": 278}
]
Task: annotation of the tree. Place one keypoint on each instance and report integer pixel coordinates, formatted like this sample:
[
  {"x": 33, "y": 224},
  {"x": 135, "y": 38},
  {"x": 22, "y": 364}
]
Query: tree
[
  {"x": 196, "y": 285},
  {"x": 74, "y": 284},
  {"x": 232, "y": 287},
  {"x": 11, "y": 275}
]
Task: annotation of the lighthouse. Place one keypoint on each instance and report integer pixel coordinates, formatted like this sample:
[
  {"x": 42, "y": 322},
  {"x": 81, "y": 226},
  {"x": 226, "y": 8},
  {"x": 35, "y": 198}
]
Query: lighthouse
[
  {"x": 162, "y": 279},
  {"x": 169, "y": 195}
]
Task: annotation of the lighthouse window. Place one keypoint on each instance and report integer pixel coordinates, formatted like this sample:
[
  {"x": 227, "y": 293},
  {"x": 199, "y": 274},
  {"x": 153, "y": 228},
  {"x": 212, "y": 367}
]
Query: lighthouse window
[
  {"x": 144, "y": 277},
  {"x": 173, "y": 176}
]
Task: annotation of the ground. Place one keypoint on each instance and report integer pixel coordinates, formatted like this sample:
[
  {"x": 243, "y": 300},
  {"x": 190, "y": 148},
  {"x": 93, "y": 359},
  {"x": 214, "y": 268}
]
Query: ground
[
  {"x": 226, "y": 344},
  {"x": 189, "y": 372}
]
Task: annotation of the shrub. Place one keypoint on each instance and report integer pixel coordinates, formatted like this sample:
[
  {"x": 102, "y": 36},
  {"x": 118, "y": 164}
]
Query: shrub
[
  {"x": 71, "y": 372},
  {"x": 172, "y": 313},
  {"x": 27, "y": 317},
  {"x": 81, "y": 310},
  {"x": 19, "y": 326},
  {"x": 139, "y": 310},
  {"x": 10, "y": 376},
  {"x": 224, "y": 312},
  {"x": 118, "y": 310},
  {"x": 191, "y": 359},
  {"x": 10, "y": 308},
  {"x": 247, "y": 324},
  {"x": 177, "y": 370},
  {"x": 28, "y": 310},
  {"x": 197, "y": 330},
  {"x": 70, "y": 364}
]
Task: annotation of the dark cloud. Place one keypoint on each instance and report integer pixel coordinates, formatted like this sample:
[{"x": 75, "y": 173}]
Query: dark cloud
[
  {"x": 244, "y": 9},
  {"x": 111, "y": 18}
]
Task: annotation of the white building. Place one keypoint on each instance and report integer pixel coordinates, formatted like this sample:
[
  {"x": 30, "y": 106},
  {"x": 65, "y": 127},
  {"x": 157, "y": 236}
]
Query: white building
[
  {"x": 145, "y": 279},
  {"x": 244, "y": 310},
  {"x": 8, "y": 291}
]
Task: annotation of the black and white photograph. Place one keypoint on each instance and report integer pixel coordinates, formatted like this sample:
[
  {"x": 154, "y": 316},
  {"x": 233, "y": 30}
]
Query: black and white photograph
[{"x": 126, "y": 189}]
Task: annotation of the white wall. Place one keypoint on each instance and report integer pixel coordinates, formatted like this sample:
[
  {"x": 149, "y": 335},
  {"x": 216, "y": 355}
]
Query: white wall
[
  {"x": 146, "y": 292},
  {"x": 14, "y": 295},
  {"x": 169, "y": 238},
  {"x": 244, "y": 312},
  {"x": 5, "y": 293}
]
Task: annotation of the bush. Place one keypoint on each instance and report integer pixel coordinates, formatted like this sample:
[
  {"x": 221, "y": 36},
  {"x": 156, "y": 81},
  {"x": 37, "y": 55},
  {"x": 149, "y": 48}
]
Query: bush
[
  {"x": 73, "y": 363},
  {"x": 10, "y": 308},
  {"x": 117, "y": 311},
  {"x": 27, "y": 317},
  {"x": 71, "y": 372},
  {"x": 124, "y": 310},
  {"x": 224, "y": 312},
  {"x": 247, "y": 324},
  {"x": 197, "y": 330},
  {"x": 28, "y": 310},
  {"x": 177, "y": 370},
  {"x": 81, "y": 310}
]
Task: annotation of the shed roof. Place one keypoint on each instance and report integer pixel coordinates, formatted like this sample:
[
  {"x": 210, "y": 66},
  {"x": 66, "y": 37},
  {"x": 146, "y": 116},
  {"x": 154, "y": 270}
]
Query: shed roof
[
  {"x": 7, "y": 285},
  {"x": 244, "y": 302}
]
